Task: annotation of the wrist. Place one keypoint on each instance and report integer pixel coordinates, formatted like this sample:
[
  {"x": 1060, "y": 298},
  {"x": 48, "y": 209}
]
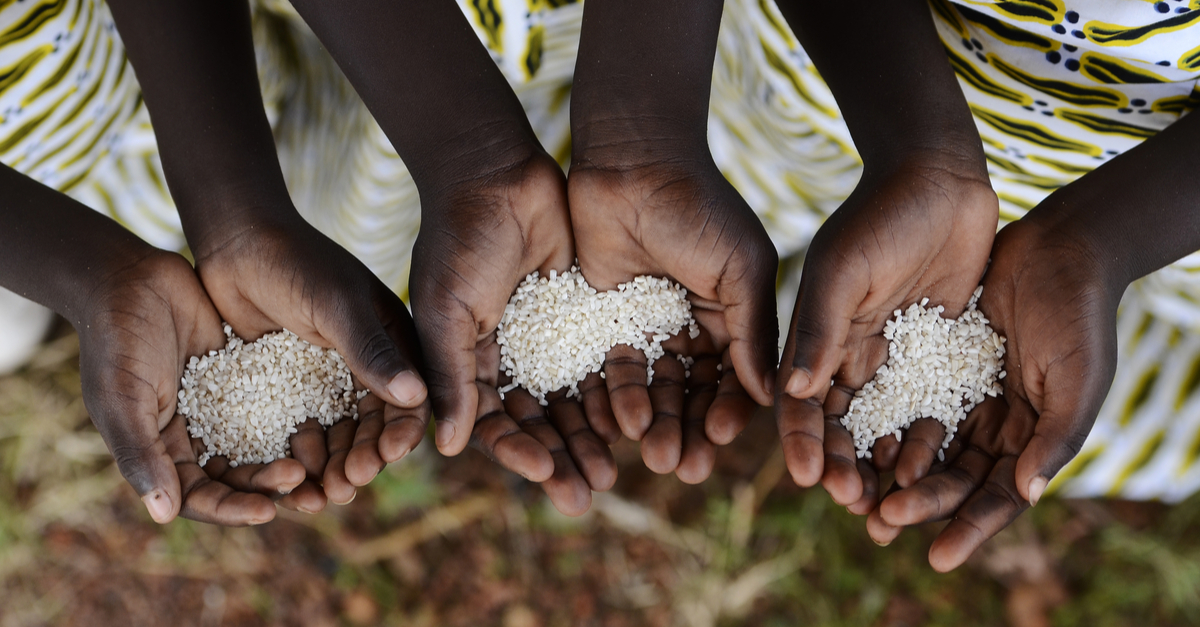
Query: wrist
[
  {"x": 473, "y": 158},
  {"x": 215, "y": 227},
  {"x": 958, "y": 151},
  {"x": 631, "y": 141}
]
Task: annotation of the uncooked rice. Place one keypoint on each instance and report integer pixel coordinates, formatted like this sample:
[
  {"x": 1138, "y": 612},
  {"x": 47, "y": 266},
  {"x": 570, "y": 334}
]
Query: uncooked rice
[
  {"x": 557, "y": 329},
  {"x": 936, "y": 368},
  {"x": 245, "y": 400}
]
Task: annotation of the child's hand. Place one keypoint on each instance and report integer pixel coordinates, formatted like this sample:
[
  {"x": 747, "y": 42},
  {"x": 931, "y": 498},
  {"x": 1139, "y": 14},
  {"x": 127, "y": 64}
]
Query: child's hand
[
  {"x": 1050, "y": 295},
  {"x": 682, "y": 220},
  {"x": 143, "y": 322},
  {"x": 284, "y": 274},
  {"x": 480, "y": 239},
  {"x": 919, "y": 229}
]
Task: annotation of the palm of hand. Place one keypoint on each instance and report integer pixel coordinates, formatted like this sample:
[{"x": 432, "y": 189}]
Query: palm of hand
[
  {"x": 290, "y": 276},
  {"x": 686, "y": 222},
  {"x": 1050, "y": 301},
  {"x": 477, "y": 244},
  {"x": 149, "y": 319},
  {"x": 918, "y": 232}
]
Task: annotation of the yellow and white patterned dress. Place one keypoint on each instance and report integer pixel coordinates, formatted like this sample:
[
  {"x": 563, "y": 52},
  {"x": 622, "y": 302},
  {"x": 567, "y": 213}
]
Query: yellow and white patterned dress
[{"x": 1057, "y": 87}]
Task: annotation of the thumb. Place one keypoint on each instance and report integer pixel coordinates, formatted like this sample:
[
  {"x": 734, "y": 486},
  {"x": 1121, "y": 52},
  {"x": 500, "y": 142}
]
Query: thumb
[
  {"x": 130, "y": 430},
  {"x": 376, "y": 359},
  {"x": 449, "y": 335},
  {"x": 1063, "y": 425},
  {"x": 825, "y": 304},
  {"x": 753, "y": 323}
]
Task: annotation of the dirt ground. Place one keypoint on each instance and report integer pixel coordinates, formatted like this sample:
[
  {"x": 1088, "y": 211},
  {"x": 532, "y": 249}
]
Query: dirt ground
[{"x": 437, "y": 541}]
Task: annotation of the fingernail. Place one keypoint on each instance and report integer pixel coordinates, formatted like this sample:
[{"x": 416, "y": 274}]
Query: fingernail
[
  {"x": 445, "y": 433},
  {"x": 407, "y": 388},
  {"x": 881, "y": 543},
  {"x": 769, "y": 385},
  {"x": 397, "y": 457},
  {"x": 351, "y": 498},
  {"x": 1037, "y": 486},
  {"x": 798, "y": 382},
  {"x": 159, "y": 506}
]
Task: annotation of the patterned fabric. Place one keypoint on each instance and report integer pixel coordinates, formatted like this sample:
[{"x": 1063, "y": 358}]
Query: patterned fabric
[{"x": 1057, "y": 87}]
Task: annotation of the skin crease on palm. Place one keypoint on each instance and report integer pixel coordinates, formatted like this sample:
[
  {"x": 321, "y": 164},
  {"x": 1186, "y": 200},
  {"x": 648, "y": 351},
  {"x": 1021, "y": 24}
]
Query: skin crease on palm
[
  {"x": 149, "y": 319},
  {"x": 500, "y": 230},
  {"x": 633, "y": 223},
  {"x": 920, "y": 231},
  {"x": 1060, "y": 362},
  {"x": 291, "y": 276}
]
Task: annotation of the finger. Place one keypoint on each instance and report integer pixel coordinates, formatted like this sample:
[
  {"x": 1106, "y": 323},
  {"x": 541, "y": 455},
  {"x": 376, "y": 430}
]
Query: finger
[
  {"x": 801, "y": 424},
  {"x": 747, "y": 289},
  {"x": 939, "y": 495},
  {"x": 385, "y": 434},
  {"x": 881, "y": 533},
  {"x": 825, "y": 306},
  {"x": 566, "y": 488},
  {"x": 449, "y": 335},
  {"x": 625, "y": 378},
  {"x": 841, "y": 453},
  {"x": 983, "y": 515},
  {"x": 731, "y": 408},
  {"x": 878, "y": 529},
  {"x": 339, "y": 438},
  {"x": 308, "y": 448},
  {"x": 373, "y": 354},
  {"x": 841, "y": 478},
  {"x": 591, "y": 454},
  {"x": 363, "y": 461},
  {"x": 203, "y": 499},
  {"x": 1063, "y": 425},
  {"x": 596, "y": 406},
  {"x": 129, "y": 426},
  {"x": 308, "y": 497},
  {"x": 869, "y": 498},
  {"x": 884, "y": 453},
  {"x": 499, "y": 437},
  {"x": 662, "y": 447},
  {"x": 919, "y": 451},
  {"x": 703, "y": 414},
  {"x": 275, "y": 479}
]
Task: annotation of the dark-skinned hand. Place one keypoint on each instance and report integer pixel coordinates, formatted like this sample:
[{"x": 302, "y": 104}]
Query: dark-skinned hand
[
  {"x": 144, "y": 322},
  {"x": 284, "y": 274},
  {"x": 1049, "y": 295},
  {"x": 478, "y": 242},
  {"x": 682, "y": 220},
  {"x": 920, "y": 229}
]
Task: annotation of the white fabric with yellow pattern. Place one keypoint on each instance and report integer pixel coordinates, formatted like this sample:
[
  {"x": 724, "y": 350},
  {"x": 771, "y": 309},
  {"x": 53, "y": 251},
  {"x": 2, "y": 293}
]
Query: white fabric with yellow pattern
[{"x": 774, "y": 129}]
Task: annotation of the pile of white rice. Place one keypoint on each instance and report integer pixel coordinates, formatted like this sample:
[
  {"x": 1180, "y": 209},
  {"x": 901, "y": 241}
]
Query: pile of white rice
[
  {"x": 245, "y": 400},
  {"x": 936, "y": 368},
  {"x": 556, "y": 330}
]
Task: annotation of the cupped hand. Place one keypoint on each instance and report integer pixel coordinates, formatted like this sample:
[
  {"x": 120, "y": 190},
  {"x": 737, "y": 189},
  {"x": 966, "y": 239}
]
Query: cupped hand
[
  {"x": 145, "y": 320},
  {"x": 681, "y": 219},
  {"x": 284, "y": 274},
  {"x": 479, "y": 239},
  {"x": 1049, "y": 294},
  {"x": 919, "y": 229}
]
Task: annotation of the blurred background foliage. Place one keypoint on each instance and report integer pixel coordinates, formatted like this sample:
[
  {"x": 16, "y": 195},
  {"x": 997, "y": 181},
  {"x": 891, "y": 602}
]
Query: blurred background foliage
[{"x": 436, "y": 541}]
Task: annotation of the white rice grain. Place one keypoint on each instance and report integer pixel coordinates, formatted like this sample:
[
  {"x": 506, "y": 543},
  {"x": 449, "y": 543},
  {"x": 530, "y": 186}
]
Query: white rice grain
[
  {"x": 936, "y": 368},
  {"x": 244, "y": 400}
]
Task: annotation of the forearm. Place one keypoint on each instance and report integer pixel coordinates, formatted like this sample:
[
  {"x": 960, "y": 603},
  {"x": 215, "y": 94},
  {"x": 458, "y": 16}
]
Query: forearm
[
  {"x": 195, "y": 63},
  {"x": 642, "y": 80},
  {"x": 1138, "y": 212},
  {"x": 889, "y": 72},
  {"x": 432, "y": 86},
  {"x": 56, "y": 251}
]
